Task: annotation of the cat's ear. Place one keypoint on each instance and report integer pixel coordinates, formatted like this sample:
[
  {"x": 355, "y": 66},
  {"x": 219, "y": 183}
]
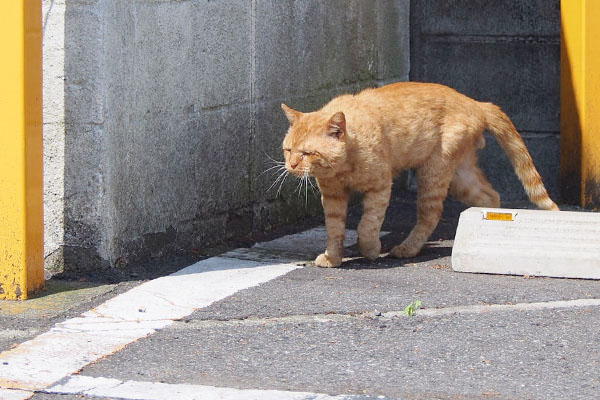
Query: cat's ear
[
  {"x": 337, "y": 126},
  {"x": 291, "y": 114}
]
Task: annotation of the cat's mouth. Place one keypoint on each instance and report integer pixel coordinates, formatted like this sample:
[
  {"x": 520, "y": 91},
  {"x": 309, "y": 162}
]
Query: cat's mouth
[
  {"x": 314, "y": 172},
  {"x": 301, "y": 173}
]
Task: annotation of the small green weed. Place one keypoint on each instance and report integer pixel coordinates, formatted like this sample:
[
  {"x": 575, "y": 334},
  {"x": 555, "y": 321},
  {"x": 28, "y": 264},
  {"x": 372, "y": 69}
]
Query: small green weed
[{"x": 412, "y": 308}]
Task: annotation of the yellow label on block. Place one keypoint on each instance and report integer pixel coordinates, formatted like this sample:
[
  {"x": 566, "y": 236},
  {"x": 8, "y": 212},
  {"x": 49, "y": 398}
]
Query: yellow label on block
[{"x": 499, "y": 216}]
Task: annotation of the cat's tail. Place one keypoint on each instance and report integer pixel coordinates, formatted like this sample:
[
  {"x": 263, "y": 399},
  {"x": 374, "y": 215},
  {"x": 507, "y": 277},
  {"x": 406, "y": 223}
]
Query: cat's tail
[{"x": 512, "y": 143}]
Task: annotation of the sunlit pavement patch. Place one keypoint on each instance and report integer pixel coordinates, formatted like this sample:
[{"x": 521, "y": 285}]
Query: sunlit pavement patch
[{"x": 52, "y": 300}]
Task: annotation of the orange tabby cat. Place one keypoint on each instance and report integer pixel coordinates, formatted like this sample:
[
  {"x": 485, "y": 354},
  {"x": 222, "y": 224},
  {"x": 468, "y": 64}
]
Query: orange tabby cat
[{"x": 360, "y": 142}]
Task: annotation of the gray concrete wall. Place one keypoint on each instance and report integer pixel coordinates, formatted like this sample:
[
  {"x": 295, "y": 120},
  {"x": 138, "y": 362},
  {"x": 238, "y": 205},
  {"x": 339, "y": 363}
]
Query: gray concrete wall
[
  {"x": 54, "y": 123},
  {"x": 503, "y": 51},
  {"x": 171, "y": 112}
]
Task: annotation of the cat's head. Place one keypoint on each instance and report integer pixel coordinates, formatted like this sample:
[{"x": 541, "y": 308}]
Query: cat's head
[{"x": 315, "y": 143}]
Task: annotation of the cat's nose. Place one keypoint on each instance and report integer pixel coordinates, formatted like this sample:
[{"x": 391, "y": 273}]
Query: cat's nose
[{"x": 293, "y": 164}]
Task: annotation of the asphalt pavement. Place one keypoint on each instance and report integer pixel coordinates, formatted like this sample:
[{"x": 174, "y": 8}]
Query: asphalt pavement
[{"x": 261, "y": 322}]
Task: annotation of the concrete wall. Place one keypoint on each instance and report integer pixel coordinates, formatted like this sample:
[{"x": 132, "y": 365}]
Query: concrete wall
[
  {"x": 160, "y": 115},
  {"x": 54, "y": 123},
  {"x": 503, "y": 51},
  {"x": 164, "y": 114}
]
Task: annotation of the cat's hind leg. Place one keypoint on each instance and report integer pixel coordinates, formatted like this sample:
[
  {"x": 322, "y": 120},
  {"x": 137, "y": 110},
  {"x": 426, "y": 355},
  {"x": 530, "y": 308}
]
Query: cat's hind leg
[
  {"x": 375, "y": 203},
  {"x": 470, "y": 186},
  {"x": 433, "y": 180}
]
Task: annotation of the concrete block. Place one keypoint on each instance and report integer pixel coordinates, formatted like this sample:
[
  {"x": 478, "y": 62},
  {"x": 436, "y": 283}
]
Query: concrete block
[
  {"x": 393, "y": 39},
  {"x": 54, "y": 63},
  {"x": 493, "y": 51},
  {"x": 84, "y": 63},
  {"x": 488, "y": 17},
  {"x": 189, "y": 54},
  {"x": 297, "y": 42},
  {"x": 85, "y": 140},
  {"x": 544, "y": 150},
  {"x": 54, "y": 122},
  {"x": 528, "y": 242},
  {"x": 179, "y": 124},
  {"x": 505, "y": 73},
  {"x": 309, "y": 46},
  {"x": 54, "y": 161},
  {"x": 506, "y": 52},
  {"x": 166, "y": 172},
  {"x": 85, "y": 222}
]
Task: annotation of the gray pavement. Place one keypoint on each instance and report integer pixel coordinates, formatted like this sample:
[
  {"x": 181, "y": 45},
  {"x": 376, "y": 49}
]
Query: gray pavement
[
  {"x": 342, "y": 332},
  {"x": 544, "y": 354},
  {"x": 348, "y": 290},
  {"x": 327, "y": 331}
]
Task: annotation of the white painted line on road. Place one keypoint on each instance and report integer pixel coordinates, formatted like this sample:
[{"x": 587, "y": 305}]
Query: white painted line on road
[
  {"x": 76, "y": 342},
  {"x": 9, "y": 394},
  {"x": 105, "y": 387},
  {"x": 485, "y": 308}
]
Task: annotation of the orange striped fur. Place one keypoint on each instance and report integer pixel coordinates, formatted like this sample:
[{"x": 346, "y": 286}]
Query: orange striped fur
[{"x": 360, "y": 142}]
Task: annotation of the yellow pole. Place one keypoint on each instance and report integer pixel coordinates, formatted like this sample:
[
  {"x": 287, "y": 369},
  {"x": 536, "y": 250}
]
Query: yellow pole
[
  {"x": 580, "y": 102},
  {"x": 21, "y": 187}
]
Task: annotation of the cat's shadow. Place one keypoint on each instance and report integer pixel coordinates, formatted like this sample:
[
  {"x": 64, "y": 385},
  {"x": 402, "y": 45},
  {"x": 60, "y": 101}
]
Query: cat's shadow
[{"x": 429, "y": 253}]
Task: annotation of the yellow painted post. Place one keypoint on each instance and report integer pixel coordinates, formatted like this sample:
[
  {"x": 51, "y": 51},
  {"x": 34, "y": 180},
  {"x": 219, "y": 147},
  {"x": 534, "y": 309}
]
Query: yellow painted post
[
  {"x": 21, "y": 159},
  {"x": 580, "y": 102}
]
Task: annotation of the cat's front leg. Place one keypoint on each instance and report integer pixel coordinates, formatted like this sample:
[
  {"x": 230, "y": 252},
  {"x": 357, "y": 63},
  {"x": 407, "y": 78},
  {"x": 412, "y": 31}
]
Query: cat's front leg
[
  {"x": 335, "y": 207},
  {"x": 375, "y": 203}
]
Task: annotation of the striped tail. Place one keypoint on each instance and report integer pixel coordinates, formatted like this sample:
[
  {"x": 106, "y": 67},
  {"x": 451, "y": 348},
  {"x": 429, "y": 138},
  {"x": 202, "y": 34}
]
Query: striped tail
[{"x": 512, "y": 143}]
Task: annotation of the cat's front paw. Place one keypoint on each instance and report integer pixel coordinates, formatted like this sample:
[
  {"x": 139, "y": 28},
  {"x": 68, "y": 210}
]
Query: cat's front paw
[
  {"x": 403, "y": 251},
  {"x": 326, "y": 261},
  {"x": 369, "y": 248}
]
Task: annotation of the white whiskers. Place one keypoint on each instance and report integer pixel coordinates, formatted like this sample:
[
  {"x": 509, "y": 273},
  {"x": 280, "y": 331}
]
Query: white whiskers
[
  {"x": 279, "y": 167},
  {"x": 303, "y": 183},
  {"x": 279, "y": 171},
  {"x": 281, "y": 177}
]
